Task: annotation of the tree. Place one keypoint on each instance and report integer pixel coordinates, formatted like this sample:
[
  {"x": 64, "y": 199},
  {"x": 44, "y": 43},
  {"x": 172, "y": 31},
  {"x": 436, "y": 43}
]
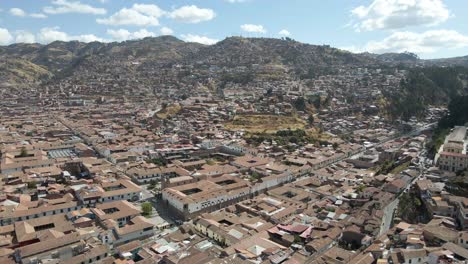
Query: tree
[
  {"x": 316, "y": 101},
  {"x": 24, "y": 152},
  {"x": 152, "y": 184},
  {"x": 147, "y": 209},
  {"x": 300, "y": 104},
  {"x": 335, "y": 146},
  {"x": 361, "y": 188},
  {"x": 456, "y": 116},
  {"x": 311, "y": 119},
  {"x": 32, "y": 185},
  {"x": 297, "y": 239},
  {"x": 255, "y": 176},
  {"x": 424, "y": 87},
  {"x": 157, "y": 161},
  {"x": 269, "y": 92}
]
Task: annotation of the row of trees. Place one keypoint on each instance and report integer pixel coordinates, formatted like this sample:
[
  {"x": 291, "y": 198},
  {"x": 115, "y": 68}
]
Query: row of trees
[{"x": 285, "y": 137}]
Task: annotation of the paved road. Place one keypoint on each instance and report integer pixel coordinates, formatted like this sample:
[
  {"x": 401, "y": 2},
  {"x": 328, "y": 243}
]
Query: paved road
[
  {"x": 145, "y": 194},
  {"x": 390, "y": 210},
  {"x": 414, "y": 132}
]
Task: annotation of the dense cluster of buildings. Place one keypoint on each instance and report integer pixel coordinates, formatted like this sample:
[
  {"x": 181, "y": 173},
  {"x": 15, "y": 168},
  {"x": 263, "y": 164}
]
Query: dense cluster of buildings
[
  {"x": 79, "y": 167},
  {"x": 453, "y": 155},
  {"x": 73, "y": 181}
]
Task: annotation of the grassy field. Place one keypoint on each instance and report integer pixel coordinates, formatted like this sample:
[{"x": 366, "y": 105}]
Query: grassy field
[
  {"x": 22, "y": 71},
  {"x": 170, "y": 110},
  {"x": 400, "y": 168},
  {"x": 264, "y": 123}
]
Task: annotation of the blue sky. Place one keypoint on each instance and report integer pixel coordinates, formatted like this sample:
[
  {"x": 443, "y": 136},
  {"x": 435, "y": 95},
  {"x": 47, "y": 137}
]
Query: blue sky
[{"x": 430, "y": 28}]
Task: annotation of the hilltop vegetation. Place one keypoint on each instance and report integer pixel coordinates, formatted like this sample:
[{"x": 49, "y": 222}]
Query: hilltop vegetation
[
  {"x": 285, "y": 137},
  {"x": 20, "y": 72},
  {"x": 169, "y": 111},
  {"x": 424, "y": 87},
  {"x": 461, "y": 61},
  {"x": 458, "y": 113},
  {"x": 66, "y": 58},
  {"x": 457, "y": 116}
]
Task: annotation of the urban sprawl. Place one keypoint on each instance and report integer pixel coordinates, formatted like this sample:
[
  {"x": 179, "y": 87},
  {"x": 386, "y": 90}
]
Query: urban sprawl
[{"x": 108, "y": 169}]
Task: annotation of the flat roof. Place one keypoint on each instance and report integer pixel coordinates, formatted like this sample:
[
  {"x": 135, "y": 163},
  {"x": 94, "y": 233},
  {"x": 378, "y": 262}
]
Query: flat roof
[{"x": 458, "y": 134}]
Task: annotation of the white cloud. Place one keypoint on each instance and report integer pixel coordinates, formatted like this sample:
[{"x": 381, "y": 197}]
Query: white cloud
[
  {"x": 137, "y": 15},
  {"x": 192, "y": 14},
  {"x": 143, "y": 33},
  {"x": 284, "y": 32},
  {"x": 21, "y": 13},
  {"x": 199, "y": 39},
  {"x": 253, "y": 28},
  {"x": 50, "y": 34},
  {"x": 37, "y": 15},
  {"x": 87, "y": 38},
  {"x": 17, "y": 12},
  {"x": 24, "y": 37},
  {"x": 123, "y": 34},
  {"x": 5, "y": 36},
  {"x": 395, "y": 14},
  {"x": 47, "y": 35},
  {"x": 150, "y": 10},
  {"x": 65, "y": 6},
  {"x": 166, "y": 31},
  {"x": 236, "y": 1},
  {"x": 426, "y": 42},
  {"x": 119, "y": 34}
]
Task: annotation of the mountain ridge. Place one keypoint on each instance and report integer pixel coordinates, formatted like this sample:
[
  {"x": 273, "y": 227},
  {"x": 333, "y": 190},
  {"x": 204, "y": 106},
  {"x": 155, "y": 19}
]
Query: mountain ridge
[{"x": 65, "y": 58}]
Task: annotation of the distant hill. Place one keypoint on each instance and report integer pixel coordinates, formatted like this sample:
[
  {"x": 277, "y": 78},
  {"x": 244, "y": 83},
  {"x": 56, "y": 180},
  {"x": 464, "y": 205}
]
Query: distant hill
[
  {"x": 64, "y": 58},
  {"x": 456, "y": 61},
  {"x": 21, "y": 73},
  {"x": 405, "y": 57},
  {"x": 238, "y": 51},
  {"x": 59, "y": 55},
  {"x": 61, "y": 59}
]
